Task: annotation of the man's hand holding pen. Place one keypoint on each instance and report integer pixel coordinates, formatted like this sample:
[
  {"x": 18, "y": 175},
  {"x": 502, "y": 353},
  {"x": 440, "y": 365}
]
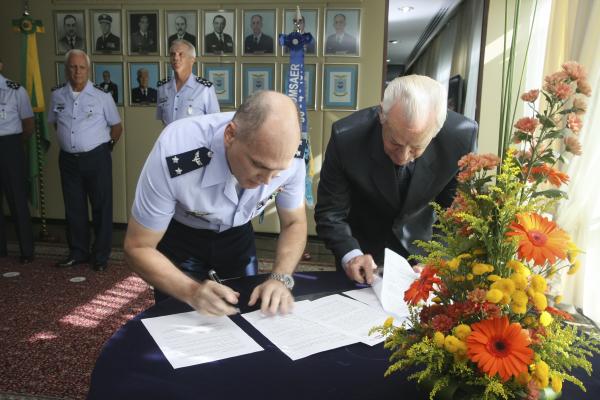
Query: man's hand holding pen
[{"x": 211, "y": 297}]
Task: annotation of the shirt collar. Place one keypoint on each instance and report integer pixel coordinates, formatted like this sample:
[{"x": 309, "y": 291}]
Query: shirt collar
[{"x": 218, "y": 171}]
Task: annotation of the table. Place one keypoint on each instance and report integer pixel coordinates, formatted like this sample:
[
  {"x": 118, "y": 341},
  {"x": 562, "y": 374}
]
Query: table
[{"x": 131, "y": 366}]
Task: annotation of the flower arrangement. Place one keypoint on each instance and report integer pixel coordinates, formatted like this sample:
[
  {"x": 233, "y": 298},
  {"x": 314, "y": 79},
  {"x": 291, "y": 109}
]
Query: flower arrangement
[{"x": 489, "y": 330}]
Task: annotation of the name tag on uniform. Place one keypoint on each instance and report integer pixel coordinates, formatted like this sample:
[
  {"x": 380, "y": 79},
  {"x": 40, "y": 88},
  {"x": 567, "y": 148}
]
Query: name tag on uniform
[
  {"x": 60, "y": 107},
  {"x": 163, "y": 100}
]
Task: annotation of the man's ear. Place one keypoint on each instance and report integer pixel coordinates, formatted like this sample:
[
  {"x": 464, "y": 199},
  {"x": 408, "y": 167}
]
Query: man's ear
[
  {"x": 380, "y": 113},
  {"x": 229, "y": 134}
]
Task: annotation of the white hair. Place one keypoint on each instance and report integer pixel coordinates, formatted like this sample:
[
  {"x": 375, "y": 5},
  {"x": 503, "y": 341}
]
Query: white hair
[
  {"x": 77, "y": 52},
  {"x": 419, "y": 97},
  {"x": 191, "y": 49}
]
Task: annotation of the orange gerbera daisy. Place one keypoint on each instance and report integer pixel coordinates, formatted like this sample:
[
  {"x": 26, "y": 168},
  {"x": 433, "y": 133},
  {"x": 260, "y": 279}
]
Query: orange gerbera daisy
[
  {"x": 554, "y": 176},
  {"x": 421, "y": 287},
  {"x": 540, "y": 239},
  {"x": 499, "y": 347}
]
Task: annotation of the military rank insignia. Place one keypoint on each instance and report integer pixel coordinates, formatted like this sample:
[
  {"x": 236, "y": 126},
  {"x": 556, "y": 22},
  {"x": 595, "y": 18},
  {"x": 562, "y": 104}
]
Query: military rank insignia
[{"x": 180, "y": 164}]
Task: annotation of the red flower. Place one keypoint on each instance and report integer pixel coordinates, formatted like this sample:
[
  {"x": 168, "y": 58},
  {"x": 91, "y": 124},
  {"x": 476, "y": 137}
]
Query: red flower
[
  {"x": 560, "y": 313},
  {"x": 530, "y": 96},
  {"x": 442, "y": 323},
  {"x": 527, "y": 124},
  {"x": 554, "y": 176},
  {"x": 420, "y": 288}
]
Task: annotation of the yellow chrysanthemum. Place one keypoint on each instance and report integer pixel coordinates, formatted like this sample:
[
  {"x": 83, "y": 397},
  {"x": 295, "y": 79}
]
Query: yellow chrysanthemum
[
  {"x": 528, "y": 321},
  {"x": 479, "y": 252},
  {"x": 557, "y": 383},
  {"x": 438, "y": 339},
  {"x": 539, "y": 301},
  {"x": 480, "y": 268},
  {"x": 574, "y": 267},
  {"x": 558, "y": 299},
  {"x": 452, "y": 343},
  {"x": 515, "y": 265},
  {"x": 538, "y": 283},
  {"x": 493, "y": 277},
  {"x": 545, "y": 318},
  {"x": 453, "y": 264},
  {"x": 494, "y": 296},
  {"x": 506, "y": 286},
  {"x": 519, "y": 297},
  {"x": 462, "y": 331},
  {"x": 518, "y": 308},
  {"x": 572, "y": 251},
  {"x": 388, "y": 322},
  {"x": 541, "y": 373},
  {"x": 469, "y": 277},
  {"x": 464, "y": 256},
  {"x": 520, "y": 280}
]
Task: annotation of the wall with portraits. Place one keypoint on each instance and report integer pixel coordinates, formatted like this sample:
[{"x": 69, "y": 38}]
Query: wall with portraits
[{"x": 238, "y": 51}]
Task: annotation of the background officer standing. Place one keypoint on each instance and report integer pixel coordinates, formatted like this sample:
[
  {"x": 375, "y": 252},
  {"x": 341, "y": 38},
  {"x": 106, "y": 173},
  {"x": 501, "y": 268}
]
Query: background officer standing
[
  {"x": 205, "y": 179},
  {"x": 16, "y": 125},
  {"x": 87, "y": 125},
  {"x": 187, "y": 94}
]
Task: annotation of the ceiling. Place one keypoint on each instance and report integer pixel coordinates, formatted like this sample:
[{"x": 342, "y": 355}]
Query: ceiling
[{"x": 413, "y": 29}]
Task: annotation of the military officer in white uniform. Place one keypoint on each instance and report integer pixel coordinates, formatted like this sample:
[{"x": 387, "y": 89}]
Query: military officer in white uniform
[
  {"x": 88, "y": 125},
  {"x": 187, "y": 94},
  {"x": 204, "y": 180},
  {"x": 16, "y": 125}
]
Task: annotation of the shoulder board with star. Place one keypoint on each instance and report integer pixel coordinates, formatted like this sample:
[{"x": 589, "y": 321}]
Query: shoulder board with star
[
  {"x": 13, "y": 84},
  {"x": 180, "y": 164},
  {"x": 163, "y": 81},
  {"x": 100, "y": 88},
  {"x": 203, "y": 81},
  {"x": 301, "y": 149},
  {"x": 62, "y": 85}
]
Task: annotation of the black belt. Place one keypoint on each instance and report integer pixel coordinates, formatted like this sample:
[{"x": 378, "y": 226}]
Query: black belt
[{"x": 87, "y": 153}]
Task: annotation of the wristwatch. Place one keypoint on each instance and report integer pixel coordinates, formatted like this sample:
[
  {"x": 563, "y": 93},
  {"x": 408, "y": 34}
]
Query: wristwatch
[{"x": 287, "y": 279}]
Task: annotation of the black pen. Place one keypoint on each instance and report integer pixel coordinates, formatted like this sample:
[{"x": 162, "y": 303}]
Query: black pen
[{"x": 212, "y": 274}]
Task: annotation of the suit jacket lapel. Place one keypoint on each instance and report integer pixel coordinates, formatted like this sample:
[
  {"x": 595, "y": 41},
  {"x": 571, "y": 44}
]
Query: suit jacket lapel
[
  {"x": 383, "y": 172},
  {"x": 420, "y": 181}
]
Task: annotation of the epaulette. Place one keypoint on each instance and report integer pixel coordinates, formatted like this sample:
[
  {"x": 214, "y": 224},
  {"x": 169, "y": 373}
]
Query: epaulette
[
  {"x": 204, "y": 81},
  {"x": 100, "y": 88},
  {"x": 301, "y": 149},
  {"x": 189, "y": 161},
  {"x": 163, "y": 81},
  {"x": 62, "y": 85},
  {"x": 13, "y": 85}
]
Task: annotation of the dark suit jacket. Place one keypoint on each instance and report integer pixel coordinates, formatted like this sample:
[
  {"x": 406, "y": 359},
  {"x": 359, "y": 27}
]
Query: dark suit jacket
[
  {"x": 264, "y": 45},
  {"x": 112, "y": 88},
  {"x": 64, "y": 45},
  {"x": 138, "y": 97},
  {"x": 141, "y": 44},
  {"x": 348, "y": 45},
  {"x": 187, "y": 36},
  {"x": 110, "y": 43},
  {"x": 214, "y": 45},
  {"x": 358, "y": 201}
]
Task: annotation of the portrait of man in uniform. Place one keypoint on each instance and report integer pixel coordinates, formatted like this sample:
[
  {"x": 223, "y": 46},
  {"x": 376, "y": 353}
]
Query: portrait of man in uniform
[
  {"x": 182, "y": 25},
  {"x": 219, "y": 31},
  {"x": 259, "y": 30},
  {"x": 307, "y": 24},
  {"x": 342, "y": 30},
  {"x": 107, "y": 31},
  {"x": 109, "y": 76},
  {"x": 143, "y": 37},
  {"x": 142, "y": 81},
  {"x": 70, "y": 31}
]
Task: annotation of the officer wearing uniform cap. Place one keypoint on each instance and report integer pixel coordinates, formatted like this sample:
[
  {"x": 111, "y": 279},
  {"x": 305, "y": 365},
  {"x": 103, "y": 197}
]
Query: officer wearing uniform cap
[
  {"x": 205, "y": 179},
  {"x": 16, "y": 125},
  {"x": 107, "y": 42},
  {"x": 187, "y": 94},
  {"x": 87, "y": 125}
]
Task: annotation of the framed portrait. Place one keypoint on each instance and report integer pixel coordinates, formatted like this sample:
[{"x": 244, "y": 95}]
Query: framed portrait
[
  {"x": 143, "y": 32},
  {"x": 340, "y": 84},
  {"x": 143, "y": 77},
  {"x": 109, "y": 76},
  {"x": 256, "y": 77},
  {"x": 69, "y": 28},
  {"x": 181, "y": 25},
  {"x": 259, "y": 32},
  {"x": 60, "y": 73},
  {"x": 169, "y": 70},
  {"x": 309, "y": 23},
  {"x": 310, "y": 80},
  {"x": 219, "y": 33},
  {"x": 222, "y": 76},
  {"x": 342, "y": 32},
  {"x": 106, "y": 32}
]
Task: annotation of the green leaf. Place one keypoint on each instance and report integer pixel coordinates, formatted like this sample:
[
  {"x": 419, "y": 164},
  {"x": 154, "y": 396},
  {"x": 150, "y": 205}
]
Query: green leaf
[{"x": 551, "y": 193}]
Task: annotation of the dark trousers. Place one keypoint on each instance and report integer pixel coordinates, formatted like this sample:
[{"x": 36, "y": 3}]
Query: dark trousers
[
  {"x": 231, "y": 253},
  {"x": 13, "y": 182},
  {"x": 88, "y": 176}
]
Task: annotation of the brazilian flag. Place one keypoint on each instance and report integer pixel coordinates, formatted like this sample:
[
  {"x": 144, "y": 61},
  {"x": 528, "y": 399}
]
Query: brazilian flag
[{"x": 31, "y": 79}]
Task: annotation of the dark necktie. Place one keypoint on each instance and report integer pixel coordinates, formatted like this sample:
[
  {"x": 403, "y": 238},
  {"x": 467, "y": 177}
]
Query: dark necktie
[
  {"x": 255, "y": 40},
  {"x": 72, "y": 43},
  {"x": 403, "y": 174}
]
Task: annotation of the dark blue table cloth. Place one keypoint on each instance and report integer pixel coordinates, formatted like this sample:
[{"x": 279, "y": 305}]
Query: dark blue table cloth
[{"x": 131, "y": 366}]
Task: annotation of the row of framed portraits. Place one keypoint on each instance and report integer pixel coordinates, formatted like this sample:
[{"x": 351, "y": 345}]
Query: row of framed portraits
[
  {"x": 339, "y": 90},
  {"x": 212, "y": 32}
]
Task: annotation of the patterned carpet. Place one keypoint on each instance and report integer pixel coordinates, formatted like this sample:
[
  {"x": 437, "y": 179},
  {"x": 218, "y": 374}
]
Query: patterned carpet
[{"x": 54, "y": 322}]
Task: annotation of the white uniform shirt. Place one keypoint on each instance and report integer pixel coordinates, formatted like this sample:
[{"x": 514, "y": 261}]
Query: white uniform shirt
[
  {"x": 14, "y": 107},
  {"x": 173, "y": 185},
  {"x": 197, "y": 96},
  {"x": 83, "y": 122}
]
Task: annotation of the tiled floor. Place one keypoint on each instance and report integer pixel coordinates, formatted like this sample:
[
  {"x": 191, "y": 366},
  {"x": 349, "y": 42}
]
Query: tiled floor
[{"x": 265, "y": 243}]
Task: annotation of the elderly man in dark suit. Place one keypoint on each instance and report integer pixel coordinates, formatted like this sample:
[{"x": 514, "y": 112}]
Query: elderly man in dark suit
[
  {"x": 340, "y": 42},
  {"x": 258, "y": 41},
  {"x": 218, "y": 42},
  {"x": 71, "y": 39},
  {"x": 143, "y": 94},
  {"x": 382, "y": 168}
]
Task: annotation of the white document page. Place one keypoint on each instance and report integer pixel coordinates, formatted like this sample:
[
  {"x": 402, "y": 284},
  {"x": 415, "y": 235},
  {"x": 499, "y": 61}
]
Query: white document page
[
  {"x": 295, "y": 336},
  {"x": 346, "y": 315},
  {"x": 366, "y": 295},
  {"x": 191, "y": 338}
]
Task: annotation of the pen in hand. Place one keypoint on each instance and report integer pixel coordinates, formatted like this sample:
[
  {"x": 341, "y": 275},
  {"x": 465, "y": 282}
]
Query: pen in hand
[{"x": 212, "y": 274}]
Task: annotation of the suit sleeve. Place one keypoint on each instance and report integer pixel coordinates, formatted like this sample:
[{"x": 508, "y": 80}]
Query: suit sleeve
[{"x": 333, "y": 204}]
